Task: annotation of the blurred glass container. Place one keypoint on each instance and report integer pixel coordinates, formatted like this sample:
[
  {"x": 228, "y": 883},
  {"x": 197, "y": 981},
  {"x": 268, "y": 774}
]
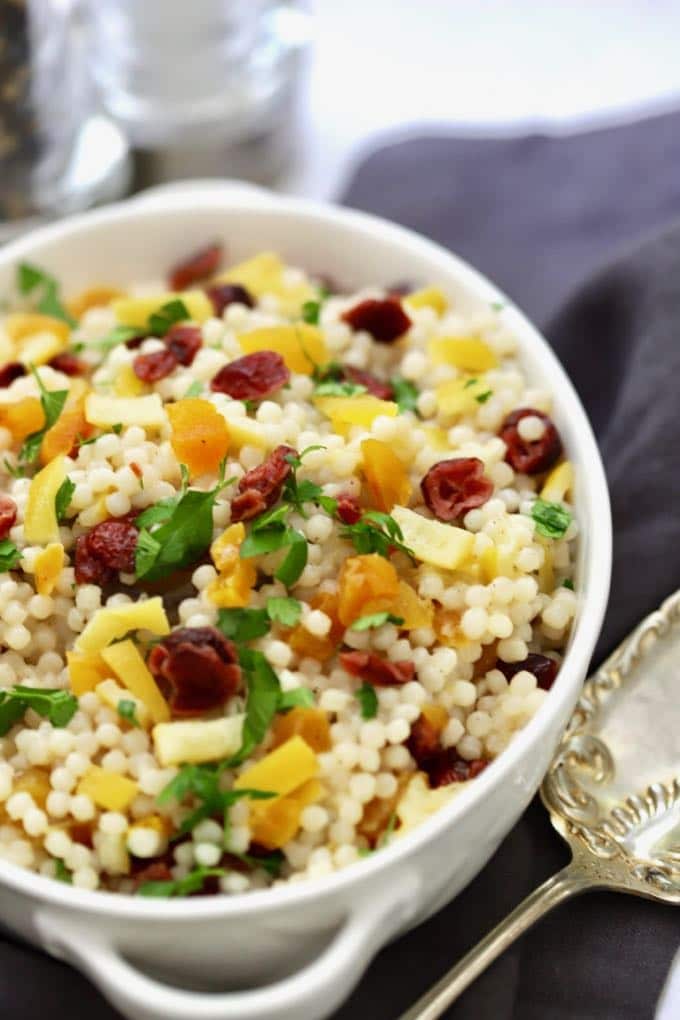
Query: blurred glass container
[
  {"x": 57, "y": 155},
  {"x": 201, "y": 88}
]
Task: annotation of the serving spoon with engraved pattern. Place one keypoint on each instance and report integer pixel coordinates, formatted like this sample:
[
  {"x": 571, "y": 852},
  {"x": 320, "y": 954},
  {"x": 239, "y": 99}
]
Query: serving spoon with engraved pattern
[{"x": 613, "y": 793}]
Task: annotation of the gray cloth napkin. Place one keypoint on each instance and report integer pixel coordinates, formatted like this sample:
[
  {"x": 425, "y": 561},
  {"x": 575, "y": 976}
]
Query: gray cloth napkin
[{"x": 538, "y": 215}]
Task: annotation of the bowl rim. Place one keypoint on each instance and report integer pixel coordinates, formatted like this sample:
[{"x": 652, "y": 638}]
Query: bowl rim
[{"x": 591, "y": 611}]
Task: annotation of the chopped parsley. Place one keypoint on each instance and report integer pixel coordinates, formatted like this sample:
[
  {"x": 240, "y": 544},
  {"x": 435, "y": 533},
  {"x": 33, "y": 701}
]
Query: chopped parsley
[
  {"x": 376, "y": 532},
  {"x": 114, "y": 338},
  {"x": 31, "y": 280},
  {"x": 203, "y": 784},
  {"x": 337, "y": 388},
  {"x": 271, "y": 863},
  {"x": 482, "y": 398},
  {"x": 194, "y": 390},
  {"x": 470, "y": 382},
  {"x": 285, "y": 611},
  {"x": 191, "y": 883},
  {"x": 298, "y": 493},
  {"x": 54, "y": 704},
  {"x": 117, "y": 429},
  {"x": 262, "y": 703},
  {"x": 552, "y": 519},
  {"x": 405, "y": 394},
  {"x": 128, "y": 710},
  {"x": 52, "y": 403},
  {"x": 16, "y": 471},
  {"x": 375, "y": 620},
  {"x": 299, "y": 697},
  {"x": 368, "y": 701},
  {"x": 166, "y": 316},
  {"x": 310, "y": 312},
  {"x": 243, "y": 624},
  {"x": 62, "y": 500},
  {"x": 269, "y": 533},
  {"x": 9, "y": 555},
  {"x": 61, "y": 872},
  {"x": 568, "y": 583}
]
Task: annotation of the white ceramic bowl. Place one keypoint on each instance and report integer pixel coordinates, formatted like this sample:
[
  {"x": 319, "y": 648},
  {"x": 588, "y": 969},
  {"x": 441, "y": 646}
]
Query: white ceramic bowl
[{"x": 297, "y": 951}]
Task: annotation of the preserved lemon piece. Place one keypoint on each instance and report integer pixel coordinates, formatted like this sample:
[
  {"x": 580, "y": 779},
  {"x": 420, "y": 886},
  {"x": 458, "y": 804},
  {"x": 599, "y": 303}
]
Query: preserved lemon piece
[
  {"x": 128, "y": 384},
  {"x": 135, "y": 311},
  {"x": 113, "y": 622},
  {"x": 264, "y": 274},
  {"x": 366, "y": 580},
  {"x": 466, "y": 352},
  {"x": 419, "y": 801},
  {"x": 358, "y": 410},
  {"x": 282, "y": 770},
  {"x": 428, "y": 297},
  {"x": 47, "y": 568},
  {"x": 105, "y": 411},
  {"x": 21, "y": 325},
  {"x": 309, "y": 723},
  {"x": 442, "y": 545},
  {"x": 197, "y": 740},
  {"x": 22, "y": 417},
  {"x": 40, "y": 520},
  {"x": 107, "y": 789},
  {"x": 386, "y": 475},
  {"x": 130, "y": 668},
  {"x": 302, "y": 346},
  {"x": 200, "y": 436},
  {"x": 86, "y": 670},
  {"x": 558, "y": 483},
  {"x": 461, "y": 396}
]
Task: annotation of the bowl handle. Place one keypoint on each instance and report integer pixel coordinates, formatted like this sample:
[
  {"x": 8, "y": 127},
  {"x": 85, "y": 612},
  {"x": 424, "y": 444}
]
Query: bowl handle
[{"x": 309, "y": 994}]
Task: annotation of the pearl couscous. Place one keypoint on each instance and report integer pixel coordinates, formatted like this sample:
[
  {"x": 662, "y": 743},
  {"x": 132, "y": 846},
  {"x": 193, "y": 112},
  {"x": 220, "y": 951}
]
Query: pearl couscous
[{"x": 281, "y": 570}]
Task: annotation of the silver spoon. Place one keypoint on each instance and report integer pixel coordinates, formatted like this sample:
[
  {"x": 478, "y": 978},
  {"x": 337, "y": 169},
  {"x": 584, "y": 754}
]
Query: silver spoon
[{"x": 613, "y": 793}]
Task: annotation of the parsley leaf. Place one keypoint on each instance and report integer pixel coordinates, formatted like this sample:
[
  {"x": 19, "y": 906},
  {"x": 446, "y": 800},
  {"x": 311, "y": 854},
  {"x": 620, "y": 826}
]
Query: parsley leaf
[
  {"x": 61, "y": 872},
  {"x": 203, "y": 783},
  {"x": 568, "y": 583},
  {"x": 31, "y": 278},
  {"x": 166, "y": 316},
  {"x": 271, "y": 863},
  {"x": 191, "y": 883},
  {"x": 299, "y": 697},
  {"x": 298, "y": 493},
  {"x": 9, "y": 555},
  {"x": 17, "y": 471},
  {"x": 296, "y": 560},
  {"x": 375, "y": 620},
  {"x": 117, "y": 336},
  {"x": 405, "y": 394},
  {"x": 285, "y": 611},
  {"x": 264, "y": 692},
  {"x": 194, "y": 390},
  {"x": 54, "y": 704},
  {"x": 243, "y": 624},
  {"x": 368, "y": 701},
  {"x": 182, "y": 538},
  {"x": 471, "y": 382},
  {"x": 63, "y": 497},
  {"x": 310, "y": 312},
  {"x": 552, "y": 519},
  {"x": 127, "y": 710},
  {"x": 270, "y": 533},
  {"x": 482, "y": 398},
  {"x": 333, "y": 388},
  {"x": 376, "y": 532},
  {"x": 52, "y": 403}
]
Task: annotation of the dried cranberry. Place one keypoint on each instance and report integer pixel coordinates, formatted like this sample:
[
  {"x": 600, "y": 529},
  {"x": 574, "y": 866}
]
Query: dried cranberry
[
  {"x": 196, "y": 668},
  {"x": 423, "y": 742},
  {"x": 152, "y": 367},
  {"x": 69, "y": 364},
  {"x": 384, "y": 319},
  {"x": 151, "y": 871},
  {"x": 376, "y": 386},
  {"x": 136, "y": 341},
  {"x": 252, "y": 377},
  {"x": 11, "y": 371},
  {"x": 447, "y": 767},
  {"x": 375, "y": 670},
  {"x": 105, "y": 550},
  {"x": 8, "y": 515},
  {"x": 261, "y": 486},
  {"x": 224, "y": 294},
  {"x": 184, "y": 342},
  {"x": 349, "y": 510},
  {"x": 530, "y": 456},
  {"x": 198, "y": 266},
  {"x": 452, "y": 487},
  {"x": 543, "y": 668}
]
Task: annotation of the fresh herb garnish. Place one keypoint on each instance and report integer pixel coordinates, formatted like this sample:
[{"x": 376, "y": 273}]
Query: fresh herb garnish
[
  {"x": 470, "y": 382},
  {"x": 271, "y": 863},
  {"x": 405, "y": 394},
  {"x": 114, "y": 338},
  {"x": 56, "y": 705},
  {"x": 191, "y": 883},
  {"x": 264, "y": 692},
  {"x": 61, "y": 872},
  {"x": 482, "y": 398},
  {"x": 498, "y": 305},
  {"x": 63, "y": 497},
  {"x": 31, "y": 278},
  {"x": 117, "y": 429},
  {"x": 203, "y": 783},
  {"x": 9, "y": 555},
  {"x": 52, "y": 403},
  {"x": 332, "y": 370},
  {"x": 368, "y": 701},
  {"x": 270, "y": 533},
  {"x": 243, "y": 624},
  {"x": 299, "y": 697},
  {"x": 184, "y": 534},
  {"x": 166, "y": 316},
  {"x": 375, "y": 620},
  {"x": 376, "y": 532},
  {"x": 194, "y": 390},
  {"x": 298, "y": 493},
  {"x": 285, "y": 611},
  {"x": 552, "y": 519},
  {"x": 333, "y": 388},
  {"x": 310, "y": 312},
  {"x": 17, "y": 471},
  {"x": 568, "y": 583},
  {"x": 127, "y": 710}
]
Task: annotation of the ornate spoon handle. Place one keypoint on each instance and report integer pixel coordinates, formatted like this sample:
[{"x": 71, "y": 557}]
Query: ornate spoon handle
[{"x": 567, "y": 882}]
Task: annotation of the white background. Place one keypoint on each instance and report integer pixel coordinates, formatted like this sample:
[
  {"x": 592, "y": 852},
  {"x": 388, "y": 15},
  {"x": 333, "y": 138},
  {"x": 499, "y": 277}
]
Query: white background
[{"x": 379, "y": 66}]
